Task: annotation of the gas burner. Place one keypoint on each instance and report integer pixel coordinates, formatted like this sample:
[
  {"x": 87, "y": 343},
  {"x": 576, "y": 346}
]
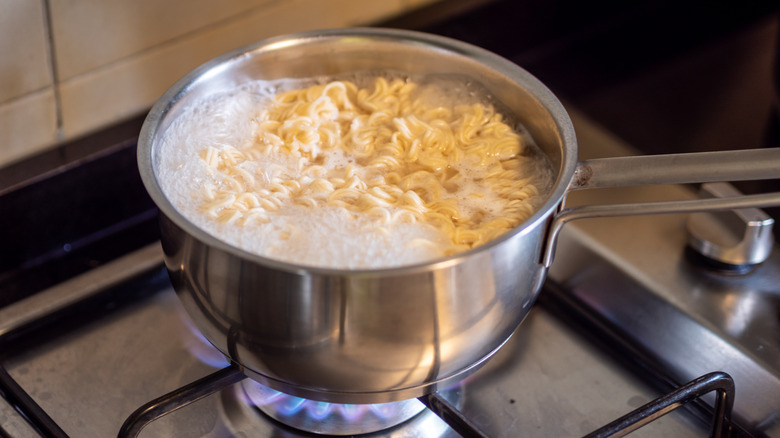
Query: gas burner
[
  {"x": 250, "y": 402},
  {"x": 328, "y": 418}
]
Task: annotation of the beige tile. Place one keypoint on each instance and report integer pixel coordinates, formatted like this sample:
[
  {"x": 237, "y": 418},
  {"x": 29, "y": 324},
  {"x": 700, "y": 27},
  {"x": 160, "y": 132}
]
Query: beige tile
[
  {"x": 24, "y": 65},
  {"x": 27, "y": 125},
  {"x": 92, "y": 33},
  {"x": 129, "y": 87}
]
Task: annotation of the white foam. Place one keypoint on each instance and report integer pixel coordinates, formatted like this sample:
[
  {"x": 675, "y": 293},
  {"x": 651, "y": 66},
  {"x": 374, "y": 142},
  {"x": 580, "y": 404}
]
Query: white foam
[{"x": 325, "y": 236}]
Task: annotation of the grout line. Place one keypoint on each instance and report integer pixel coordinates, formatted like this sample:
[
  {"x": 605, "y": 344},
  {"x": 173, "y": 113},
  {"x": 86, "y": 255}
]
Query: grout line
[{"x": 60, "y": 133}]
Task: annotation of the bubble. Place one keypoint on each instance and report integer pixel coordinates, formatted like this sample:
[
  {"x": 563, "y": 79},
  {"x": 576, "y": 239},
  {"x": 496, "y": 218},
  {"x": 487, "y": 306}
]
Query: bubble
[{"x": 228, "y": 120}]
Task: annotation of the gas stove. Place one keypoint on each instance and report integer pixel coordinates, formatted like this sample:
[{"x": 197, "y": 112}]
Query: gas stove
[
  {"x": 608, "y": 336},
  {"x": 629, "y": 326}
]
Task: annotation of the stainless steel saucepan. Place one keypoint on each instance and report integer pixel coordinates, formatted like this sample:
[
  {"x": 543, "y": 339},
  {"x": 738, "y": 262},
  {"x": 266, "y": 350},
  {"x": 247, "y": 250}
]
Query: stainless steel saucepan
[{"x": 379, "y": 335}]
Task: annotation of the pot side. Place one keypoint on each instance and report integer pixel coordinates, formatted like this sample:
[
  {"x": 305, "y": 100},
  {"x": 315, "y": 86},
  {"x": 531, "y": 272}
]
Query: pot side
[{"x": 371, "y": 335}]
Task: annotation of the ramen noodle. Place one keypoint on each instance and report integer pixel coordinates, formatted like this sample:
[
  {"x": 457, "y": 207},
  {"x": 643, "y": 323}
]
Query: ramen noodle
[{"x": 334, "y": 174}]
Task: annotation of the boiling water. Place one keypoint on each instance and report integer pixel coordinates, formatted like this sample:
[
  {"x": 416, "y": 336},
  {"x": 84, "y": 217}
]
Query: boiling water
[{"x": 323, "y": 236}]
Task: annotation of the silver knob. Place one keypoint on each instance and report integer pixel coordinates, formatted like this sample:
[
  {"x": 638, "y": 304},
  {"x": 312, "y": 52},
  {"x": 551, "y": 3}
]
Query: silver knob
[{"x": 734, "y": 239}]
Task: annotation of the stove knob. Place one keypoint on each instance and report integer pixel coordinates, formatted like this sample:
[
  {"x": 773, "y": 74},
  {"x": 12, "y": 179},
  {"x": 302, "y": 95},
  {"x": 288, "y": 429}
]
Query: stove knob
[{"x": 731, "y": 241}]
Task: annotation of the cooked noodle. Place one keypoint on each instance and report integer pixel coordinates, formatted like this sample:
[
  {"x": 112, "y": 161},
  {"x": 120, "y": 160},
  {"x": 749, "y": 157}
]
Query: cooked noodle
[{"x": 382, "y": 155}]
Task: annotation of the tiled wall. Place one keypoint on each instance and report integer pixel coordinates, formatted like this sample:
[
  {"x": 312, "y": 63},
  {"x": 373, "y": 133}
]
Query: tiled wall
[{"x": 70, "y": 67}]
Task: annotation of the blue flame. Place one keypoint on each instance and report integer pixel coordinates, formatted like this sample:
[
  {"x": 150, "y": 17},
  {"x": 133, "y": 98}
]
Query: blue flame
[
  {"x": 199, "y": 346},
  {"x": 320, "y": 410},
  {"x": 382, "y": 410},
  {"x": 352, "y": 412},
  {"x": 289, "y": 405},
  {"x": 259, "y": 395}
]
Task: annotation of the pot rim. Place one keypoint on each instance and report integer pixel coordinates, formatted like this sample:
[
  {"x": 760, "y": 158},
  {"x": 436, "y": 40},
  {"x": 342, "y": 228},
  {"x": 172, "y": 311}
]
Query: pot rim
[{"x": 158, "y": 112}]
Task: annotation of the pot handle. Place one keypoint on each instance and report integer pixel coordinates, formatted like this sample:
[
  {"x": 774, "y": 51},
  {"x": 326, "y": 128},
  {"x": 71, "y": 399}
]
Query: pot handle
[{"x": 699, "y": 167}]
